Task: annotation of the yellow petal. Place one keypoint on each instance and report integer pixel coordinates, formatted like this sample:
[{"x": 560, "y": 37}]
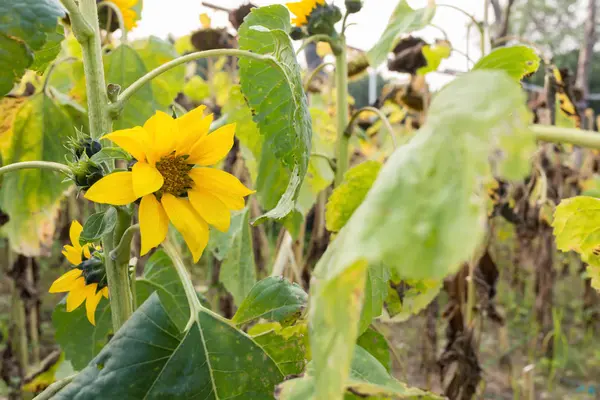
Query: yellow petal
[
  {"x": 65, "y": 282},
  {"x": 154, "y": 223},
  {"x": 213, "y": 210},
  {"x": 193, "y": 126},
  {"x": 115, "y": 189},
  {"x": 211, "y": 149},
  {"x": 163, "y": 130},
  {"x": 72, "y": 254},
  {"x": 187, "y": 221},
  {"x": 74, "y": 233},
  {"x": 86, "y": 250},
  {"x": 146, "y": 179},
  {"x": 93, "y": 298},
  {"x": 135, "y": 141},
  {"x": 76, "y": 294},
  {"x": 105, "y": 292},
  {"x": 223, "y": 185}
]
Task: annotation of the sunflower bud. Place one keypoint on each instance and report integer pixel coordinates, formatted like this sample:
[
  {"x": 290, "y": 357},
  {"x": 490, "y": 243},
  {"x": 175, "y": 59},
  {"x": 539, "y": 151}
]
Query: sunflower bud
[
  {"x": 322, "y": 20},
  {"x": 297, "y": 33},
  {"x": 94, "y": 271},
  {"x": 353, "y": 6},
  {"x": 85, "y": 173}
]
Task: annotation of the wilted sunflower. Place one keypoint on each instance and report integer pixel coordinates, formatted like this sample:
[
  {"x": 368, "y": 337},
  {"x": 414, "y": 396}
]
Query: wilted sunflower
[
  {"x": 166, "y": 180},
  {"x": 302, "y": 10},
  {"x": 74, "y": 281}
]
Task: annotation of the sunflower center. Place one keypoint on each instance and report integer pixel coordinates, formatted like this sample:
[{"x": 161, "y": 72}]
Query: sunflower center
[{"x": 175, "y": 171}]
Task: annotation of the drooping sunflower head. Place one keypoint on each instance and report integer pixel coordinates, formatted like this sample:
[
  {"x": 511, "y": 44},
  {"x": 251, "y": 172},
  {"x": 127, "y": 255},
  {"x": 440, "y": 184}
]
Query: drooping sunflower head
[
  {"x": 171, "y": 177},
  {"x": 86, "y": 282},
  {"x": 126, "y": 7},
  {"x": 302, "y": 9}
]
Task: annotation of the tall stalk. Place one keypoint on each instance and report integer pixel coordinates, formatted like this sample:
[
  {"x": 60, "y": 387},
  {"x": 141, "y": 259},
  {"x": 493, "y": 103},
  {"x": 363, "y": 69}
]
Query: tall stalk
[{"x": 341, "y": 86}]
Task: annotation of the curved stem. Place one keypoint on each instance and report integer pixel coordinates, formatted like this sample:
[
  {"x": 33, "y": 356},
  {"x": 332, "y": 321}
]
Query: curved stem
[
  {"x": 51, "y": 70},
  {"x": 381, "y": 116},
  {"x": 314, "y": 73},
  {"x": 111, "y": 6},
  {"x": 125, "y": 242},
  {"x": 54, "y": 388},
  {"x": 472, "y": 18},
  {"x": 54, "y": 166},
  {"x": 556, "y": 134},
  {"x": 317, "y": 38},
  {"x": 341, "y": 85},
  {"x": 184, "y": 277},
  {"x": 81, "y": 28},
  {"x": 446, "y": 37},
  {"x": 135, "y": 86},
  {"x": 344, "y": 26},
  {"x": 462, "y": 53}
]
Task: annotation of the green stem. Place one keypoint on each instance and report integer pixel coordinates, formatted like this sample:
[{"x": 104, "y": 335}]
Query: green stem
[
  {"x": 111, "y": 6},
  {"x": 54, "y": 388},
  {"x": 117, "y": 274},
  {"x": 381, "y": 116},
  {"x": 313, "y": 74},
  {"x": 341, "y": 83},
  {"x": 53, "y": 166},
  {"x": 81, "y": 28},
  {"x": 319, "y": 38},
  {"x": 122, "y": 249},
  {"x": 186, "y": 281},
  {"x": 475, "y": 22},
  {"x": 556, "y": 134},
  {"x": 135, "y": 86}
]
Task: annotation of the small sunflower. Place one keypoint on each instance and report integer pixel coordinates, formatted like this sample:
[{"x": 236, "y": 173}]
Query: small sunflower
[
  {"x": 78, "y": 281},
  {"x": 302, "y": 9},
  {"x": 168, "y": 182},
  {"x": 127, "y": 11}
]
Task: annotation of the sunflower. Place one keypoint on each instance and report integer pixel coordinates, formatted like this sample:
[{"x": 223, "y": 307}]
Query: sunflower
[
  {"x": 74, "y": 281},
  {"x": 168, "y": 182},
  {"x": 127, "y": 11},
  {"x": 302, "y": 10}
]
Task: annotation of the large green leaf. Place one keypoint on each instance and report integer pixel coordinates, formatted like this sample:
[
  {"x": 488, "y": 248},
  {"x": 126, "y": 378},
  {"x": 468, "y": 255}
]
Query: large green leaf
[
  {"x": 31, "y": 197},
  {"x": 367, "y": 378},
  {"x": 404, "y": 19},
  {"x": 238, "y": 272},
  {"x": 80, "y": 340},
  {"x": 49, "y": 51},
  {"x": 375, "y": 293},
  {"x": 424, "y": 215},
  {"x": 160, "y": 276},
  {"x": 25, "y": 27},
  {"x": 123, "y": 66},
  {"x": 286, "y": 346},
  {"x": 98, "y": 225},
  {"x": 149, "y": 358},
  {"x": 281, "y": 112},
  {"x": 273, "y": 298},
  {"x": 154, "y": 52},
  {"x": 516, "y": 61},
  {"x": 376, "y": 344}
]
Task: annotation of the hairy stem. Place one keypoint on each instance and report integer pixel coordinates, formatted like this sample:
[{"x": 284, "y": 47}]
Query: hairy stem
[
  {"x": 381, "y": 116},
  {"x": 53, "y": 166},
  {"x": 117, "y": 275},
  {"x": 135, "y": 86},
  {"x": 341, "y": 83},
  {"x": 54, "y": 388}
]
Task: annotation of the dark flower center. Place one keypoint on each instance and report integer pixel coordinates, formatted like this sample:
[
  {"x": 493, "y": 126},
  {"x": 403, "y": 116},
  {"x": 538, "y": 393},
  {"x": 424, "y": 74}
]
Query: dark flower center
[{"x": 175, "y": 171}]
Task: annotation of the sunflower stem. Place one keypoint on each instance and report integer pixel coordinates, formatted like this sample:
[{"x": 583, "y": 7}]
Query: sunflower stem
[
  {"x": 112, "y": 7},
  {"x": 117, "y": 106},
  {"x": 122, "y": 249},
  {"x": 380, "y": 115},
  {"x": 53, "y": 166},
  {"x": 341, "y": 83}
]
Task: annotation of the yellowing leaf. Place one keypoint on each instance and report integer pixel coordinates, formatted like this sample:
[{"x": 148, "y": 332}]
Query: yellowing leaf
[
  {"x": 184, "y": 45},
  {"x": 196, "y": 89},
  {"x": 222, "y": 84},
  {"x": 434, "y": 54},
  {"x": 205, "y": 20},
  {"x": 516, "y": 61},
  {"x": 9, "y": 106},
  {"x": 575, "y": 222}
]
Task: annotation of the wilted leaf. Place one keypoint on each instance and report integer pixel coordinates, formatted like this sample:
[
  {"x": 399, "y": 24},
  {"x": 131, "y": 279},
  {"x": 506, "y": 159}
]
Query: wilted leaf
[
  {"x": 281, "y": 110},
  {"x": 404, "y": 19},
  {"x": 274, "y": 299},
  {"x": 149, "y": 358},
  {"x": 516, "y": 61},
  {"x": 405, "y": 299}
]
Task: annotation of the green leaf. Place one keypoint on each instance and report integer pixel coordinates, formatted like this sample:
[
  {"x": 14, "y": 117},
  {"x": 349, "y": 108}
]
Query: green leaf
[
  {"x": 346, "y": 198},
  {"x": 516, "y": 61},
  {"x": 273, "y": 298},
  {"x": 149, "y": 358},
  {"x": 376, "y": 344},
  {"x": 434, "y": 54},
  {"x": 98, "y": 225},
  {"x": 424, "y": 215},
  {"x": 109, "y": 154},
  {"x": 155, "y": 52},
  {"x": 160, "y": 276},
  {"x": 376, "y": 288},
  {"x": 123, "y": 66},
  {"x": 404, "y": 19},
  {"x": 78, "y": 338},
  {"x": 367, "y": 378},
  {"x": 238, "y": 272},
  {"x": 25, "y": 27},
  {"x": 49, "y": 51},
  {"x": 31, "y": 197},
  {"x": 196, "y": 89},
  {"x": 286, "y": 346},
  {"x": 406, "y": 299},
  {"x": 280, "y": 106}
]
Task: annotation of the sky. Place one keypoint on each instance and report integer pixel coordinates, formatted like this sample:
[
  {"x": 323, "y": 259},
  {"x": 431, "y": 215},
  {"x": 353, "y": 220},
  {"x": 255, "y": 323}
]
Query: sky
[{"x": 181, "y": 17}]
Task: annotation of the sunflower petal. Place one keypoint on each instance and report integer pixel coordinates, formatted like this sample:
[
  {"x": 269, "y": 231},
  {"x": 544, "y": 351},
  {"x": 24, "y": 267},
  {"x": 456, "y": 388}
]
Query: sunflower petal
[
  {"x": 135, "y": 141},
  {"x": 163, "y": 130},
  {"x": 74, "y": 232},
  {"x": 187, "y": 221},
  {"x": 213, "y": 210},
  {"x": 115, "y": 189},
  {"x": 65, "y": 282},
  {"x": 86, "y": 250},
  {"x": 193, "y": 126},
  {"x": 221, "y": 184},
  {"x": 146, "y": 179},
  {"x": 72, "y": 254},
  {"x": 105, "y": 292},
  {"x": 211, "y": 149},
  {"x": 77, "y": 294},
  {"x": 154, "y": 223},
  {"x": 93, "y": 298}
]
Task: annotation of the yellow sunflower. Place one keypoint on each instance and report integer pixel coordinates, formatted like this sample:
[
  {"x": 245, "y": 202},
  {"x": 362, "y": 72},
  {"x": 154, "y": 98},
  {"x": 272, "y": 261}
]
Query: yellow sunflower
[
  {"x": 302, "y": 9},
  {"x": 127, "y": 11},
  {"x": 171, "y": 188},
  {"x": 73, "y": 281}
]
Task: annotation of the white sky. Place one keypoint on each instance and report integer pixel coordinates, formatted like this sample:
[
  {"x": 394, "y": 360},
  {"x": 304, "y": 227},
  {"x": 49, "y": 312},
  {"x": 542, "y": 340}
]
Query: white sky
[{"x": 180, "y": 17}]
